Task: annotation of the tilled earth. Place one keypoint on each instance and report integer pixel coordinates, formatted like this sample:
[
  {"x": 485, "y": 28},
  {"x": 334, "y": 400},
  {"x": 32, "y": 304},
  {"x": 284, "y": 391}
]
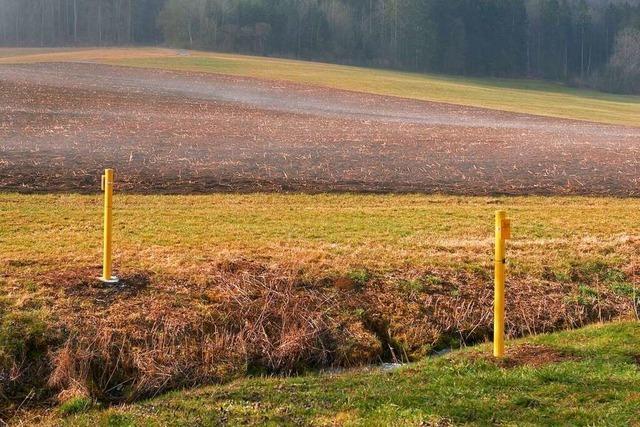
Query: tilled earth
[{"x": 175, "y": 132}]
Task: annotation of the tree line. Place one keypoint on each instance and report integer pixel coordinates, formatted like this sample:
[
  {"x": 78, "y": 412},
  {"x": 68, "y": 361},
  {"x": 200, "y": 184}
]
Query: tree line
[
  {"x": 29, "y": 23},
  {"x": 578, "y": 41}
]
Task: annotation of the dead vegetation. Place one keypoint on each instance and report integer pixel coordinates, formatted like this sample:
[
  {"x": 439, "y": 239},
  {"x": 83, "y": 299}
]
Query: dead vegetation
[{"x": 149, "y": 334}]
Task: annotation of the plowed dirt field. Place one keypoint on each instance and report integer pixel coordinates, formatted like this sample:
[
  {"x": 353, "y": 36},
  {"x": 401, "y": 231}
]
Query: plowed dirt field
[{"x": 61, "y": 124}]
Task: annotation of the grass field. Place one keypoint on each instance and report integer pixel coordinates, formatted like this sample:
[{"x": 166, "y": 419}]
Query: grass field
[
  {"x": 322, "y": 233},
  {"x": 523, "y": 96},
  {"x": 593, "y": 378}
]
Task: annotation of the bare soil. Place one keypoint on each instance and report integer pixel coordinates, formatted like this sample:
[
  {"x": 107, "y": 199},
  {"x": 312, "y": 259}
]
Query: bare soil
[
  {"x": 178, "y": 132},
  {"x": 534, "y": 355}
]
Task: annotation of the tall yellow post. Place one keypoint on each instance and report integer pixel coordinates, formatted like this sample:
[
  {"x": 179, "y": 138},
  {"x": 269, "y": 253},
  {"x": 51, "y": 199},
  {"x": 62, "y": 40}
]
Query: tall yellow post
[
  {"x": 503, "y": 232},
  {"x": 107, "y": 187}
]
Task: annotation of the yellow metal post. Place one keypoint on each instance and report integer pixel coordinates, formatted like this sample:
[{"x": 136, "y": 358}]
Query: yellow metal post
[
  {"x": 503, "y": 232},
  {"x": 107, "y": 187}
]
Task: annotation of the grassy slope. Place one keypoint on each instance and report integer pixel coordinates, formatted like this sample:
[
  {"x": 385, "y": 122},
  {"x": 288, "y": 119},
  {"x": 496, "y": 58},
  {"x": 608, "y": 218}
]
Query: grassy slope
[
  {"x": 320, "y": 233},
  {"x": 524, "y": 96},
  {"x": 601, "y": 388}
]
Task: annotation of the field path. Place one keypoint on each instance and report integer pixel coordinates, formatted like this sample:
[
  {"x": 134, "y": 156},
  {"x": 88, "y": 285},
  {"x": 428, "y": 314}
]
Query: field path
[{"x": 183, "y": 132}]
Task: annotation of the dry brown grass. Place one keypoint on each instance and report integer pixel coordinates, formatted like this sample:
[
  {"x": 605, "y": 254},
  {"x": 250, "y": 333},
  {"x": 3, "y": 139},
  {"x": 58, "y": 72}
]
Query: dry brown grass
[{"x": 147, "y": 335}]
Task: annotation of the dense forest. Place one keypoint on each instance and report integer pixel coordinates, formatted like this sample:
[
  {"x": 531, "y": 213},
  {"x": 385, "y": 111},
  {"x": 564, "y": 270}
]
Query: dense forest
[{"x": 578, "y": 41}]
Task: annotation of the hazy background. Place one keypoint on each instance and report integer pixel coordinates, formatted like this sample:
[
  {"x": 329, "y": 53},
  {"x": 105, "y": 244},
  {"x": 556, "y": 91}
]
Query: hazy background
[{"x": 585, "y": 43}]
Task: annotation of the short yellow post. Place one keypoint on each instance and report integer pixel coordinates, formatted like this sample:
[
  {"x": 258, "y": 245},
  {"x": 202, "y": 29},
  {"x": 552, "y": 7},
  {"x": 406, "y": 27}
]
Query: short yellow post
[
  {"x": 503, "y": 232},
  {"x": 107, "y": 187}
]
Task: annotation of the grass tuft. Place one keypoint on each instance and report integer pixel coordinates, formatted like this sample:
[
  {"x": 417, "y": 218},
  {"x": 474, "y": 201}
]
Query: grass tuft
[{"x": 75, "y": 405}]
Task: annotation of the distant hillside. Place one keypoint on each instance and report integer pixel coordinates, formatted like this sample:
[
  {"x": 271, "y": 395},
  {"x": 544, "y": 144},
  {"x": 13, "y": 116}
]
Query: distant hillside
[{"x": 562, "y": 40}]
